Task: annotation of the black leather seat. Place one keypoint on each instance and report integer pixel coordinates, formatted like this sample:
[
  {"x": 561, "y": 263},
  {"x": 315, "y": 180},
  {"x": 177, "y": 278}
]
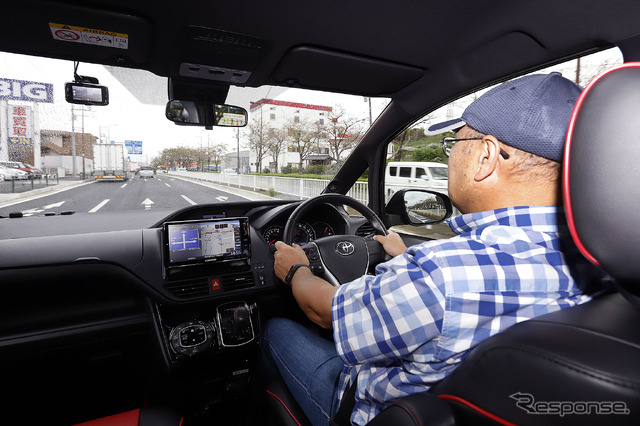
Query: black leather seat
[{"x": 580, "y": 365}]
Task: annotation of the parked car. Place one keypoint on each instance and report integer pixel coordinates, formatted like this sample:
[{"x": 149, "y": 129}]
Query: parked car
[
  {"x": 153, "y": 296},
  {"x": 415, "y": 174},
  {"x": 34, "y": 172},
  {"x": 11, "y": 171}
]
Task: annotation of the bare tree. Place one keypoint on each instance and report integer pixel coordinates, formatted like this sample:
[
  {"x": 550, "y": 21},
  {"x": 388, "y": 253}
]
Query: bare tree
[
  {"x": 258, "y": 140},
  {"x": 301, "y": 136},
  {"x": 344, "y": 132},
  {"x": 216, "y": 152},
  {"x": 276, "y": 140}
]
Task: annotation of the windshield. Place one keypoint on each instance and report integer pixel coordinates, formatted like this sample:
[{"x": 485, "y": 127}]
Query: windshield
[{"x": 293, "y": 144}]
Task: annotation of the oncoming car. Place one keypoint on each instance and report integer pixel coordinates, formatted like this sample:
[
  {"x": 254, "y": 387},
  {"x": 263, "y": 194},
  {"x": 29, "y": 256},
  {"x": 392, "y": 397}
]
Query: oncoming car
[{"x": 150, "y": 296}]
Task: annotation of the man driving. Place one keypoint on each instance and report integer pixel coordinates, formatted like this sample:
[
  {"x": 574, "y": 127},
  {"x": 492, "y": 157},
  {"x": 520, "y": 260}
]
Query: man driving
[{"x": 407, "y": 327}]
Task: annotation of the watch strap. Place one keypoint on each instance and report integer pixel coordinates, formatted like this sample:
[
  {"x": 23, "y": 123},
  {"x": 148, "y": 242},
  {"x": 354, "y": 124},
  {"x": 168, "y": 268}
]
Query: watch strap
[{"x": 293, "y": 270}]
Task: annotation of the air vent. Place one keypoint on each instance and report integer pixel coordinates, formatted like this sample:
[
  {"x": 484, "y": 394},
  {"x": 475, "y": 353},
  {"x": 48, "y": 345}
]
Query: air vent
[
  {"x": 191, "y": 288},
  {"x": 365, "y": 230},
  {"x": 237, "y": 281}
]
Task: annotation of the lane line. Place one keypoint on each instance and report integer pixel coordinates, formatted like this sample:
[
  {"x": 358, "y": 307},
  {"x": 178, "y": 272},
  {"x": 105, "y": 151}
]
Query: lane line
[
  {"x": 188, "y": 200},
  {"x": 168, "y": 185},
  {"x": 123, "y": 185},
  {"x": 99, "y": 206}
]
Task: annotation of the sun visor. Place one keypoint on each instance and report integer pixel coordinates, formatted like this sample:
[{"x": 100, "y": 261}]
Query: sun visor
[
  {"x": 77, "y": 32},
  {"x": 319, "y": 68}
]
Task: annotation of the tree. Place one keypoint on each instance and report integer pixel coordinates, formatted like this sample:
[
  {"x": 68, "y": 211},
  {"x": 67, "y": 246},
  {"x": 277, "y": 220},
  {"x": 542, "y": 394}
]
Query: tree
[
  {"x": 276, "y": 140},
  {"x": 301, "y": 136},
  {"x": 216, "y": 152},
  {"x": 403, "y": 139},
  {"x": 258, "y": 140},
  {"x": 344, "y": 132},
  {"x": 432, "y": 152}
]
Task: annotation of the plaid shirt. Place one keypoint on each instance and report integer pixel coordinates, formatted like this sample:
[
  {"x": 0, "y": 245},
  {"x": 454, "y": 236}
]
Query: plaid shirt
[{"x": 411, "y": 324}]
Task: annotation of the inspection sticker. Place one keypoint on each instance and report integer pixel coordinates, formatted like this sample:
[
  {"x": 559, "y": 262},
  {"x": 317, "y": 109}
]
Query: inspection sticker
[{"x": 86, "y": 35}]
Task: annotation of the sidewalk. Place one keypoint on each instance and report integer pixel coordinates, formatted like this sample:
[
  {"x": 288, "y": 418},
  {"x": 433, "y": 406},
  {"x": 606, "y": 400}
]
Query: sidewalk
[{"x": 7, "y": 199}]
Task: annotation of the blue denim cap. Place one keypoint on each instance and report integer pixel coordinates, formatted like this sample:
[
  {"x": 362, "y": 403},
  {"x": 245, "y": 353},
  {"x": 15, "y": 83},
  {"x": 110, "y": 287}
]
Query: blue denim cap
[{"x": 530, "y": 113}]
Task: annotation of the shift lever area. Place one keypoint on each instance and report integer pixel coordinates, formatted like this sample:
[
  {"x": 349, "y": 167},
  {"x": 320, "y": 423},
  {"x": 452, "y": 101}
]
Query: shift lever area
[{"x": 236, "y": 326}]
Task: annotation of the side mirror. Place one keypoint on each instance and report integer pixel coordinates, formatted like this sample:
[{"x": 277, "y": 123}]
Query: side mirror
[
  {"x": 207, "y": 114},
  {"x": 418, "y": 207}
]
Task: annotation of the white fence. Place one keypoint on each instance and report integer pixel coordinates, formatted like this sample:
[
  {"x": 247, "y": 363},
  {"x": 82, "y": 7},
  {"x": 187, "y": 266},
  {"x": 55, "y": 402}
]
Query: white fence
[
  {"x": 294, "y": 188},
  {"x": 291, "y": 187}
]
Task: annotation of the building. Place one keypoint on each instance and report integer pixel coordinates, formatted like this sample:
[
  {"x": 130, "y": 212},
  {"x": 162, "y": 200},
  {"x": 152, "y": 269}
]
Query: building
[{"x": 271, "y": 117}]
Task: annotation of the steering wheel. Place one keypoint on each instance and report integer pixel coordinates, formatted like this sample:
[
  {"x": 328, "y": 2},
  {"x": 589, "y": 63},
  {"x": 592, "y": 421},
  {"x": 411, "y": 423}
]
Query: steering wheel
[{"x": 339, "y": 258}]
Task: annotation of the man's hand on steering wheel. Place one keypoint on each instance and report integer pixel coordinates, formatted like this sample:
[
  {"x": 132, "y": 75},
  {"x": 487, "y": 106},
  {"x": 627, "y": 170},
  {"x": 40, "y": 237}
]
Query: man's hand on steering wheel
[
  {"x": 339, "y": 258},
  {"x": 286, "y": 256}
]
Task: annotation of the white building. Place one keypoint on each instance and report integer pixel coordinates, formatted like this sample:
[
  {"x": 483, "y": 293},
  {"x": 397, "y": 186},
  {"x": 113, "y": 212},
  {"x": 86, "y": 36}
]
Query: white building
[{"x": 272, "y": 114}]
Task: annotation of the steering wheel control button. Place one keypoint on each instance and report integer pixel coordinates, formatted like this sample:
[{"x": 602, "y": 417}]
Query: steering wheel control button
[{"x": 345, "y": 248}]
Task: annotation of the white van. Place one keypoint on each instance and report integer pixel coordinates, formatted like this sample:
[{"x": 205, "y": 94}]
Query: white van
[{"x": 414, "y": 174}]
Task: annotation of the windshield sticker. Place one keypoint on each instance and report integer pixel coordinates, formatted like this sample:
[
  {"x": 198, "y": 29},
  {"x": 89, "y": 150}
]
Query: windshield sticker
[{"x": 86, "y": 35}]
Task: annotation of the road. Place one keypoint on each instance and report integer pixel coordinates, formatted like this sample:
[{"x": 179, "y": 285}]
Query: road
[{"x": 162, "y": 191}]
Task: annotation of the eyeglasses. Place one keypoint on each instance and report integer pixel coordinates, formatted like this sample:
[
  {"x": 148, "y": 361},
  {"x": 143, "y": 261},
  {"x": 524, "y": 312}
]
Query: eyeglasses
[{"x": 448, "y": 142}]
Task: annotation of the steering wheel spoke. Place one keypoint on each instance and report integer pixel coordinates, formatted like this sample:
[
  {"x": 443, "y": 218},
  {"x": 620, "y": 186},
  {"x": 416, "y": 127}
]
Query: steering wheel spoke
[{"x": 339, "y": 258}]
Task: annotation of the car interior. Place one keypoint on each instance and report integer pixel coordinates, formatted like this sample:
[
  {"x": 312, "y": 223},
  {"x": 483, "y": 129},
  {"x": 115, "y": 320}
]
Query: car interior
[{"x": 101, "y": 315}]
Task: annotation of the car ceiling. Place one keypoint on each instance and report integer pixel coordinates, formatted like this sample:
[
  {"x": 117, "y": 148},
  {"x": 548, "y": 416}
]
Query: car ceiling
[{"x": 378, "y": 48}]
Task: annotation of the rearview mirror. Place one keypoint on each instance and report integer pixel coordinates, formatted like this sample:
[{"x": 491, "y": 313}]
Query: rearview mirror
[
  {"x": 207, "y": 114},
  {"x": 418, "y": 207}
]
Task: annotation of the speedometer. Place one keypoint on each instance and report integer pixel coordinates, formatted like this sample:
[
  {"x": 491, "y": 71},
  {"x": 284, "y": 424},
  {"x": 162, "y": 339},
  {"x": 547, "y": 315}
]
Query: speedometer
[
  {"x": 272, "y": 234},
  {"x": 304, "y": 234}
]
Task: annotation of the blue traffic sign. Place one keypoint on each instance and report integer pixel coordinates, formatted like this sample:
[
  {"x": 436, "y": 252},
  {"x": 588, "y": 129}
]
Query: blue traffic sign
[{"x": 133, "y": 147}]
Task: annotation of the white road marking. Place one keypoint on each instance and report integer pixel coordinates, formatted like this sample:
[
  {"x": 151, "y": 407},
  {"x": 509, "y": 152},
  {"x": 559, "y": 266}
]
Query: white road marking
[
  {"x": 123, "y": 185},
  {"x": 221, "y": 198},
  {"x": 168, "y": 185},
  {"x": 99, "y": 206},
  {"x": 31, "y": 212},
  {"x": 189, "y": 200},
  {"x": 147, "y": 204},
  {"x": 50, "y": 206}
]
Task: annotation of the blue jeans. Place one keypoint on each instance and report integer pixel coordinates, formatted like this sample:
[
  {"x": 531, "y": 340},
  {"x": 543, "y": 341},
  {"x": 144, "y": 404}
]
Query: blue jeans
[{"x": 308, "y": 363}]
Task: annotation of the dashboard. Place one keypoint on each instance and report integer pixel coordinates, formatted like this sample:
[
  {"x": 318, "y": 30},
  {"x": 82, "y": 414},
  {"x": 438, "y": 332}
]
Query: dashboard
[{"x": 180, "y": 295}]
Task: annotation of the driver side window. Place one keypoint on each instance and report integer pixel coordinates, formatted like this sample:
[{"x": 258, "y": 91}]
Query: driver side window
[{"x": 415, "y": 154}]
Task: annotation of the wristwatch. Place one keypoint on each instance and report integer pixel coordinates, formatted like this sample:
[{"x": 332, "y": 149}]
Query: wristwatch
[{"x": 293, "y": 270}]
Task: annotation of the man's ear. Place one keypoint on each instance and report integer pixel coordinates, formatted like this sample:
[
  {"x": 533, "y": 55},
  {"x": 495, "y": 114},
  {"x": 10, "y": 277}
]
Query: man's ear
[{"x": 487, "y": 159}]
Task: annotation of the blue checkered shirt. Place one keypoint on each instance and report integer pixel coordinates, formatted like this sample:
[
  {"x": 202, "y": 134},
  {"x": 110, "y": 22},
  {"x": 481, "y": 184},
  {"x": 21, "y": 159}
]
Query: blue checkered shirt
[{"x": 411, "y": 324}]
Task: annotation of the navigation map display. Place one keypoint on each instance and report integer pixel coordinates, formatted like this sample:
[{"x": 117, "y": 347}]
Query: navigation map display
[{"x": 193, "y": 242}]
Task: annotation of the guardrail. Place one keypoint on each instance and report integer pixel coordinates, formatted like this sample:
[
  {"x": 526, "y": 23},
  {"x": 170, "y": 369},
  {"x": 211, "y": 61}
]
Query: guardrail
[{"x": 33, "y": 183}]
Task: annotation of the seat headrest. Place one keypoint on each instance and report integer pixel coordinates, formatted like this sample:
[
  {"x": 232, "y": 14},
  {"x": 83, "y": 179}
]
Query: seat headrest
[{"x": 602, "y": 172}]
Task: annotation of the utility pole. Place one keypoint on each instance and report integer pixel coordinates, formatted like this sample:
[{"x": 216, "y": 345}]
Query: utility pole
[
  {"x": 238, "y": 139},
  {"x": 73, "y": 143}
]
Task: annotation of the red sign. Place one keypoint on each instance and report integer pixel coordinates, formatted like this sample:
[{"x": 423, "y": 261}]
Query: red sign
[{"x": 19, "y": 125}]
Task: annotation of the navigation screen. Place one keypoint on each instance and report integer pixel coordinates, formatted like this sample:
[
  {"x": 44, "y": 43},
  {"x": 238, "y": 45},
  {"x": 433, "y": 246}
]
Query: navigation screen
[{"x": 207, "y": 240}]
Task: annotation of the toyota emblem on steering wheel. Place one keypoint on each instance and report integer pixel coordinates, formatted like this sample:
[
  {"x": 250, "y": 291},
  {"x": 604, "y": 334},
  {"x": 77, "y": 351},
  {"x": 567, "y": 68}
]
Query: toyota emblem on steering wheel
[{"x": 345, "y": 248}]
